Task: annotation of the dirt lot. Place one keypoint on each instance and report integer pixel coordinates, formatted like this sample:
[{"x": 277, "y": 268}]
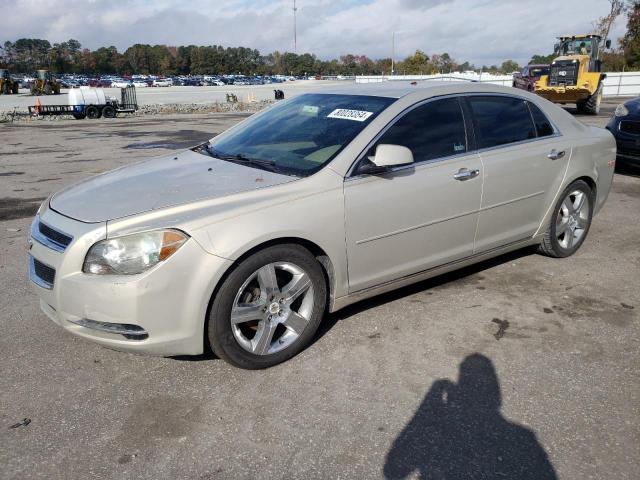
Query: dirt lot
[{"x": 536, "y": 358}]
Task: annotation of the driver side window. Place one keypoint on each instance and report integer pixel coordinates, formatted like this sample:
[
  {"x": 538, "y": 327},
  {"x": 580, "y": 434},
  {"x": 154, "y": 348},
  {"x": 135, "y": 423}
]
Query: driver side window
[{"x": 433, "y": 130}]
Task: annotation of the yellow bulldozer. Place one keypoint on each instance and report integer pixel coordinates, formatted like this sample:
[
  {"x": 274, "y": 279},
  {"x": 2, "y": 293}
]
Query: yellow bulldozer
[
  {"x": 575, "y": 73},
  {"x": 7, "y": 84},
  {"x": 45, "y": 84}
]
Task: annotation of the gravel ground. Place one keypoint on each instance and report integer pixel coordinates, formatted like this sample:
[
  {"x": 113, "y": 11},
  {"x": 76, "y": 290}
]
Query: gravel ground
[
  {"x": 177, "y": 95},
  {"x": 520, "y": 364}
]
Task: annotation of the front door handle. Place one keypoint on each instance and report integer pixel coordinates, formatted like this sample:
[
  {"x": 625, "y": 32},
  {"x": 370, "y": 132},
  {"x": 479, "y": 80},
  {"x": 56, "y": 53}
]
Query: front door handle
[
  {"x": 466, "y": 174},
  {"x": 555, "y": 155}
]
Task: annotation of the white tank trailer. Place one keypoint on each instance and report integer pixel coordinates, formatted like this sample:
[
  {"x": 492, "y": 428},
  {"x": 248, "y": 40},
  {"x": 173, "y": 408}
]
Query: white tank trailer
[
  {"x": 89, "y": 102},
  {"x": 87, "y": 96}
]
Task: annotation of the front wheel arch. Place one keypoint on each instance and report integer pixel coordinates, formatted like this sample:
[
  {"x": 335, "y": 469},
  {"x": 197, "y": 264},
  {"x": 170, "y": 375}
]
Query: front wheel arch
[{"x": 313, "y": 248}]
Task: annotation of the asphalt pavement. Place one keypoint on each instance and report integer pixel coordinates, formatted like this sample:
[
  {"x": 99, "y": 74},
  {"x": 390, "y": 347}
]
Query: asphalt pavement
[{"x": 517, "y": 365}]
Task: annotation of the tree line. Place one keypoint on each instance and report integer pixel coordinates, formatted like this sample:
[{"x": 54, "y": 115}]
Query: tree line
[{"x": 28, "y": 54}]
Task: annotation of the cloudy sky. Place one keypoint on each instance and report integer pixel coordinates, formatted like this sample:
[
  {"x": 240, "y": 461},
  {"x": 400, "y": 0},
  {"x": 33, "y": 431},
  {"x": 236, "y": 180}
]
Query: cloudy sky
[{"x": 481, "y": 31}]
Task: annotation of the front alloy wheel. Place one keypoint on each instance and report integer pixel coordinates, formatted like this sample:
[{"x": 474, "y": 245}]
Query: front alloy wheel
[
  {"x": 268, "y": 317},
  {"x": 268, "y": 308}
]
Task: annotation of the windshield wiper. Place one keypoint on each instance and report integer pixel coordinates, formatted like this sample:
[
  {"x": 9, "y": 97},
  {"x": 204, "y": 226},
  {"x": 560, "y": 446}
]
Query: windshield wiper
[
  {"x": 269, "y": 165},
  {"x": 240, "y": 158}
]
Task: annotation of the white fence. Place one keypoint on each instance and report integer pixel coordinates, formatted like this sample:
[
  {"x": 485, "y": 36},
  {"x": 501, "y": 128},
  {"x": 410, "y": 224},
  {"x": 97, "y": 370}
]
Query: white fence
[{"x": 616, "y": 84}]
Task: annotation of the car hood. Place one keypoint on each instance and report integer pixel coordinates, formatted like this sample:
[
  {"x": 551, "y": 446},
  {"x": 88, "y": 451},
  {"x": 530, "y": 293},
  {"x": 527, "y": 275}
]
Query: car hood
[{"x": 158, "y": 183}]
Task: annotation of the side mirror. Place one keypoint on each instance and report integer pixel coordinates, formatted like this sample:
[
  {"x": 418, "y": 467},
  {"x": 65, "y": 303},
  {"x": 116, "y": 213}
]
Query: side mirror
[
  {"x": 387, "y": 156},
  {"x": 607, "y": 44}
]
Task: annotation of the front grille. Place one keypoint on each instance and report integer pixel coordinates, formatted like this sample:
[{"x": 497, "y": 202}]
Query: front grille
[
  {"x": 563, "y": 73},
  {"x": 626, "y": 152},
  {"x": 629, "y": 126},
  {"x": 44, "y": 272},
  {"x": 54, "y": 235},
  {"x": 41, "y": 274},
  {"x": 49, "y": 236}
]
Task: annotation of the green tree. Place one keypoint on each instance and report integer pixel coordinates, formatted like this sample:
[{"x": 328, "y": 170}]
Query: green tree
[
  {"x": 631, "y": 41},
  {"x": 541, "y": 59},
  {"x": 509, "y": 66}
]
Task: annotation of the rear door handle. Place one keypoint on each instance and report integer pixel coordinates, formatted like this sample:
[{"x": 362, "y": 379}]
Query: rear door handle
[
  {"x": 555, "y": 155},
  {"x": 466, "y": 174}
]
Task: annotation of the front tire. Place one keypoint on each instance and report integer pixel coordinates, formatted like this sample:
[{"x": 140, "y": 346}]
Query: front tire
[
  {"x": 591, "y": 105},
  {"x": 570, "y": 221},
  {"x": 268, "y": 308}
]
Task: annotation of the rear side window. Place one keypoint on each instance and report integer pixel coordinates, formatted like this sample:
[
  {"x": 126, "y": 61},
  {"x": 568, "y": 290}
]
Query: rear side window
[
  {"x": 543, "y": 125},
  {"x": 433, "y": 130},
  {"x": 501, "y": 120}
]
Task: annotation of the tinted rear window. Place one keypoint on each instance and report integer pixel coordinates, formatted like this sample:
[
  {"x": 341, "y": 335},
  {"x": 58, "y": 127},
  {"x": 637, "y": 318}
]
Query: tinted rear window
[
  {"x": 501, "y": 120},
  {"x": 543, "y": 125},
  {"x": 433, "y": 130}
]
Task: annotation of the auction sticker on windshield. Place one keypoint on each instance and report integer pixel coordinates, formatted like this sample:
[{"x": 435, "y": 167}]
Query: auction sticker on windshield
[{"x": 346, "y": 114}]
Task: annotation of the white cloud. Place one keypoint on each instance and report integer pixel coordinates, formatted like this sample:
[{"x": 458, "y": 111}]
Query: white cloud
[{"x": 481, "y": 31}]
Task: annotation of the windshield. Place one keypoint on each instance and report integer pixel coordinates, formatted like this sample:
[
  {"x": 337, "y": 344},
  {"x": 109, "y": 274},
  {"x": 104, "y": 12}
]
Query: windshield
[
  {"x": 301, "y": 135},
  {"x": 579, "y": 46},
  {"x": 538, "y": 71}
]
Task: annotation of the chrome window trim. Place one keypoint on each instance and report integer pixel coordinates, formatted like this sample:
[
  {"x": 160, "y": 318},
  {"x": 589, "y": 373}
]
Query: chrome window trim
[
  {"x": 557, "y": 133},
  {"x": 46, "y": 241},
  {"x": 35, "y": 278},
  {"x": 350, "y": 173}
]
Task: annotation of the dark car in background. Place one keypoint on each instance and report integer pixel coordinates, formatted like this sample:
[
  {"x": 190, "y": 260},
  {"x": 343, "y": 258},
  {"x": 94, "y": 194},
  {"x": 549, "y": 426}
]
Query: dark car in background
[
  {"x": 527, "y": 78},
  {"x": 625, "y": 126}
]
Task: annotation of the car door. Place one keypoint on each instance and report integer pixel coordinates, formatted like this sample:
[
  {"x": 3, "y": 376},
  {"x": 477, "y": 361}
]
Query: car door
[
  {"x": 420, "y": 216},
  {"x": 524, "y": 159}
]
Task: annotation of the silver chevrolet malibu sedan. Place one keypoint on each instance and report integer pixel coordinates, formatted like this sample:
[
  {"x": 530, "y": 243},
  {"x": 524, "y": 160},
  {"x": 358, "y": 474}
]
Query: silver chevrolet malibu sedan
[{"x": 244, "y": 243}]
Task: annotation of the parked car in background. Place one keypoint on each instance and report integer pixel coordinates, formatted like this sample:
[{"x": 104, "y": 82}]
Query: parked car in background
[
  {"x": 140, "y": 84},
  {"x": 527, "y": 78},
  {"x": 246, "y": 241},
  {"x": 625, "y": 126},
  {"x": 120, "y": 83},
  {"x": 162, "y": 82}
]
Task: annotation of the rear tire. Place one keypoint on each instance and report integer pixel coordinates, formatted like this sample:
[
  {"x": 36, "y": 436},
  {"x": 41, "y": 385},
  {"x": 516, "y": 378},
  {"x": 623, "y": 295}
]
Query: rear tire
[
  {"x": 268, "y": 308},
  {"x": 570, "y": 221},
  {"x": 92, "y": 112},
  {"x": 109, "y": 112}
]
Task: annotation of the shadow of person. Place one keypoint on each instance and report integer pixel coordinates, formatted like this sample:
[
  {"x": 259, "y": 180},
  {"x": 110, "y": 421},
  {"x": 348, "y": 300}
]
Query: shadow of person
[{"x": 459, "y": 433}]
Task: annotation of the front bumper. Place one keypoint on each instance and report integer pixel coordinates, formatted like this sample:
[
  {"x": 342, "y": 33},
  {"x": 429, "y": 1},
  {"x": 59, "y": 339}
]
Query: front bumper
[
  {"x": 628, "y": 145},
  {"x": 161, "y": 311}
]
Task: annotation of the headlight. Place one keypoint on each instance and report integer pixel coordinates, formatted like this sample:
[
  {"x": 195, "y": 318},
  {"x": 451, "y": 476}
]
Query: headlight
[
  {"x": 621, "y": 111},
  {"x": 132, "y": 254}
]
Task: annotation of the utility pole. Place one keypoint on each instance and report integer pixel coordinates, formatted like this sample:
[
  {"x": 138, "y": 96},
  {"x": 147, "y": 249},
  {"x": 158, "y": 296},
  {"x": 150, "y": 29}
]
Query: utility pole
[
  {"x": 393, "y": 50},
  {"x": 295, "y": 33}
]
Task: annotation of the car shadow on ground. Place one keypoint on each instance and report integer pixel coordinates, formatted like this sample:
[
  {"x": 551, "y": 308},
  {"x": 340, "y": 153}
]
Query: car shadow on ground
[
  {"x": 330, "y": 320},
  {"x": 458, "y": 433},
  {"x": 447, "y": 278}
]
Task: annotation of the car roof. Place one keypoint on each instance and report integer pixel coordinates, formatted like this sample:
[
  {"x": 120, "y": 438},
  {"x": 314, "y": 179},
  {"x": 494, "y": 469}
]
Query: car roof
[{"x": 401, "y": 88}]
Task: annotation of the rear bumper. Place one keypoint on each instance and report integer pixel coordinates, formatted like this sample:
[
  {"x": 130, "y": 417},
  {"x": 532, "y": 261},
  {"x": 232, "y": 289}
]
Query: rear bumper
[{"x": 160, "y": 312}]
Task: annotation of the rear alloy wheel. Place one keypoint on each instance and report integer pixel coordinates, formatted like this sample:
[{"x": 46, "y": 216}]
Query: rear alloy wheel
[
  {"x": 570, "y": 221},
  {"x": 268, "y": 309}
]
